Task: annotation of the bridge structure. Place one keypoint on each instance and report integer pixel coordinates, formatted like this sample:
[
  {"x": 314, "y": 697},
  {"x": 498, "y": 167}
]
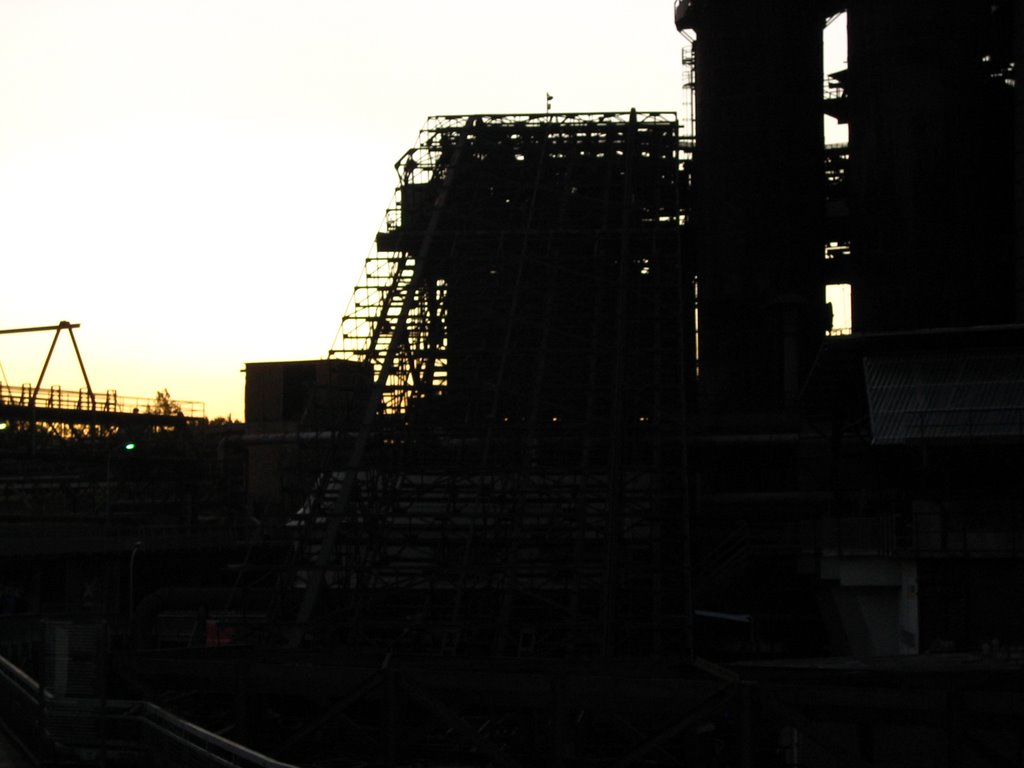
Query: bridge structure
[{"x": 62, "y": 409}]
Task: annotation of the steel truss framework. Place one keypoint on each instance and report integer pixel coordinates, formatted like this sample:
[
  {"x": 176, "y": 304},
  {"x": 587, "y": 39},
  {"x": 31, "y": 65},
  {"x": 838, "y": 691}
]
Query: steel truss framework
[{"x": 517, "y": 485}]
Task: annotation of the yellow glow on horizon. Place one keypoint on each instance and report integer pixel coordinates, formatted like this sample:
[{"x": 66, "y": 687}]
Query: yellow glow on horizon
[{"x": 197, "y": 182}]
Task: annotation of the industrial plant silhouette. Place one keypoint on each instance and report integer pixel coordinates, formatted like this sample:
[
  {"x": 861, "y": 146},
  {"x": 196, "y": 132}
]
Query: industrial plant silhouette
[{"x": 590, "y": 478}]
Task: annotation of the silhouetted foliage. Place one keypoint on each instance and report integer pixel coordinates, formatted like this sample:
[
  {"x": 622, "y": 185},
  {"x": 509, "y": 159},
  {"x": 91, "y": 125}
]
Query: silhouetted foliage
[{"x": 165, "y": 405}]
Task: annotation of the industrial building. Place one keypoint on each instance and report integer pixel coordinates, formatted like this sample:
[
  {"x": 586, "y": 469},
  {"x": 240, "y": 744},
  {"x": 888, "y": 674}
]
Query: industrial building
[{"x": 590, "y": 476}]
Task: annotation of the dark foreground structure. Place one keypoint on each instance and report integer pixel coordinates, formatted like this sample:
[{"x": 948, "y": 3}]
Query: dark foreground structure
[{"x": 590, "y": 479}]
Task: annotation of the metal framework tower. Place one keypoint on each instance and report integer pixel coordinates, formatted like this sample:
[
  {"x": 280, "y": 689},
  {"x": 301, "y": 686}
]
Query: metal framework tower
[{"x": 518, "y": 481}]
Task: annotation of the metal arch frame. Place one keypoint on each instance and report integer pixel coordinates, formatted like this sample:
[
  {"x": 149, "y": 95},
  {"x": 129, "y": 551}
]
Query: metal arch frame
[{"x": 62, "y": 325}]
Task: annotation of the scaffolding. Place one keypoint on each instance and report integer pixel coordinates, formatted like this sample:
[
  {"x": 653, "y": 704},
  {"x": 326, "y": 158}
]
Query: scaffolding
[{"x": 518, "y": 482}]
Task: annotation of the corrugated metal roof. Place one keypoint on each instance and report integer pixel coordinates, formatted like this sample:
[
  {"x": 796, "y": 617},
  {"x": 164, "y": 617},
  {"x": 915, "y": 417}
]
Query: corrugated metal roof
[{"x": 945, "y": 397}]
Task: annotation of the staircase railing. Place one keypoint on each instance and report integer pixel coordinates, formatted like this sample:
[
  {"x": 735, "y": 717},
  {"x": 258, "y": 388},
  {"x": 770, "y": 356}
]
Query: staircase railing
[{"x": 89, "y": 730}]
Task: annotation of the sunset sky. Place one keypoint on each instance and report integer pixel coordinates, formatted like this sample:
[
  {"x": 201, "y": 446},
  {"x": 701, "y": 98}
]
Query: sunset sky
[{"x": 197, "y": 182}]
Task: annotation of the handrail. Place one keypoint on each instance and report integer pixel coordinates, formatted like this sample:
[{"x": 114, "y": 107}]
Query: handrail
[
  {"x": 205, "y": 746},
  {"x": 21, "y": 680},
  {"x": 202, "y": 742},
  {"x": 81, "y": 400}
]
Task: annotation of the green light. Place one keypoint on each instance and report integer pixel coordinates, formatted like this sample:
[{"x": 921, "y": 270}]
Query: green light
[
  {"x": 129, "y": 446},
  {"x": 4, "y": 425}
]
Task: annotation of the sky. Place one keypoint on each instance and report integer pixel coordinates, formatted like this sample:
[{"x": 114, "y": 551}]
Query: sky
[{"x": 198, "y": 182}]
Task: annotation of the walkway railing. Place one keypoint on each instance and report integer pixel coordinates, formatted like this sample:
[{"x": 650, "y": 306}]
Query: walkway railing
[{"x": 105, "y": 402}]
